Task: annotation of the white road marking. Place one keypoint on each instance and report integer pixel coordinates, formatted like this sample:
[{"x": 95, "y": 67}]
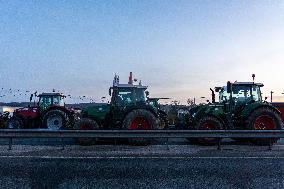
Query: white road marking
[{"x": 139, "y": 157}]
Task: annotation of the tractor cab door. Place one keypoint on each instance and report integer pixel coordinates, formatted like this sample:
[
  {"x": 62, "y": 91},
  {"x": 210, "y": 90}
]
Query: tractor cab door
[
  {"x": 241, "y": 96},
  {"x": 45, "y": 102},
  {"x": 122, "y": 98}
]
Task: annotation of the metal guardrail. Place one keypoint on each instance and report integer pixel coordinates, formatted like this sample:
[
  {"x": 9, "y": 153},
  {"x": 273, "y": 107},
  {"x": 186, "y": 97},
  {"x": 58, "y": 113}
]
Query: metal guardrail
[{"x": 44, "y": 133}]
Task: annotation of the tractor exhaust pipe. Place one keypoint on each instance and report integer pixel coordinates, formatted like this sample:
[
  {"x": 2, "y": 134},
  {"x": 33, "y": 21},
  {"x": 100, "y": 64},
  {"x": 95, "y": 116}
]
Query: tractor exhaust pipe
[
  {"x": 130, "y": 81},
  {"x": 213, "y": 95}
]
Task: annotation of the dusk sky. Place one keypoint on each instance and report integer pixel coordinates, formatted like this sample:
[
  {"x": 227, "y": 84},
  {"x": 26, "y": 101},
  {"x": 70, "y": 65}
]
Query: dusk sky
[{"x": 178, "y": 48}]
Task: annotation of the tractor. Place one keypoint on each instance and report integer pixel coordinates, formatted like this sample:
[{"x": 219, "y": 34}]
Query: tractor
[
  {"x": 154, "y": 102},
  {"x": 4, "y": 117},
  {"x": 128, "y": 109},
  {"x": 240, "y": 107},
  {"x": 50, "y": 113}
]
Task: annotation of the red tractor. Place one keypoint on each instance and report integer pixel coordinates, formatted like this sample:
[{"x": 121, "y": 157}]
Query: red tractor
[{"x": 50, "y": 113}]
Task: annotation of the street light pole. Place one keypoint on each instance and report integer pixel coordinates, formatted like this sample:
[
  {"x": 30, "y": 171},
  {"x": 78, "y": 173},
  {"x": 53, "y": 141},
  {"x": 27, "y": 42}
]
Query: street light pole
[{"x": 271, "y": 92}]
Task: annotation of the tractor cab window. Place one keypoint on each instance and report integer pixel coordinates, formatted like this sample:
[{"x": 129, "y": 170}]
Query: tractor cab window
[
  {"x": 241, "y": 93},
  {"x": 140, "y": 95},
  {"x": 256, "y": 93},
  {"x": 45, "y": 101},
  {"x": 123, "y": 96},
  {"x": 223, "y": 95},
  {"x": 58, "y": 100}
]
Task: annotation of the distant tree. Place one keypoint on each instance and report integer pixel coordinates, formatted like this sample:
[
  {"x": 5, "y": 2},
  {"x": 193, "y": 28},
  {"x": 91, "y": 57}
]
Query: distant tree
[
  {"x": 175, "y": 102},
  {"x": 191, "y": 102}
]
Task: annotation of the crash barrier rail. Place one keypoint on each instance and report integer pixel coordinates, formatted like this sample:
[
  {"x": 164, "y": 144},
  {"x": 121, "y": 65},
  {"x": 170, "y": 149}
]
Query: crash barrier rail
[{"x": 45, "y": 133}]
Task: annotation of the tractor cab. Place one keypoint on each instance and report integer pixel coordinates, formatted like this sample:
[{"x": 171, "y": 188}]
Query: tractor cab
[
  {"x": 154, "y": 102},
  {"x": 50, "y": 99},
  {"x": 240, "y": 92},
  {"x": 124, "y": 94},
  {"x": 125, "y": 97},
  {"x": 127, "y": 94}
]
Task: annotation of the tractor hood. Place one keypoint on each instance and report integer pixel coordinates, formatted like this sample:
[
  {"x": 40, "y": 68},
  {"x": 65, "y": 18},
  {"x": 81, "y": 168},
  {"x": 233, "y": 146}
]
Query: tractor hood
[
  {"x": 212, "y": 108},
  {"x": 97, "y": 112}
]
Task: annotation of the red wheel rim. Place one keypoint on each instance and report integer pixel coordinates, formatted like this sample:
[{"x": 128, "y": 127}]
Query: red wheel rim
[
  {"x": 264, "y": 122},
  {"x": 207, "y": 126},
  {"x": 139, "y": 123},
  {"x": 85, "y": 127}
]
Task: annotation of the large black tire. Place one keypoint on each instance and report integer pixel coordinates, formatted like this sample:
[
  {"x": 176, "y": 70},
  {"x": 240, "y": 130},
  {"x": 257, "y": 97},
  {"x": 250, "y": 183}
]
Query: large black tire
[
  {"x": 14, "y": 123},
  {"x": 86, "y": 124},
  {"x": 140, "y": 119},
  {"x": 207, "y": 123},
  {"x": 264, "y": 118},
  {"x": 163, "y": 120},
  {"x": 55, "y": 120}
]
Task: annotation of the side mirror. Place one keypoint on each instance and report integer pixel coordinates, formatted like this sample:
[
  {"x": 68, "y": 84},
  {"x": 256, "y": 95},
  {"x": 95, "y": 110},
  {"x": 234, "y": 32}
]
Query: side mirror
[
  {"x": 147, "y": 93},
  {"x": 217, "y": 89},
  {"x": 229, "y": 87},
  {"x": 265, "y": 98},
  {"x": 109, "y": 91},
  {"x": 31, "y": 97}
]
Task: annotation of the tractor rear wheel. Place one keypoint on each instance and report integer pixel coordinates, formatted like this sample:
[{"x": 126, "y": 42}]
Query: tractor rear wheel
[
  {"x": 55, "y": 120},
  {"x": 264, "y": 119},
  {"x": 140, "y": 120},
  {"x": 15, "y": 123},
  {"x": 207, "y": 123},
  {"x": 86, "y": 124}
]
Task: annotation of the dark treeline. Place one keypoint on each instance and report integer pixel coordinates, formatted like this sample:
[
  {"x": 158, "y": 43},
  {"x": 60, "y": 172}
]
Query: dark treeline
[{"x": 26, "y": 104}]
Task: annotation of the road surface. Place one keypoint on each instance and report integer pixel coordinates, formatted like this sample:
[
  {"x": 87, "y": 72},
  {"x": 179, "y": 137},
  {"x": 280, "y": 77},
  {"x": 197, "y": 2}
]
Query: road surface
[{"x": 175, "y": 165}]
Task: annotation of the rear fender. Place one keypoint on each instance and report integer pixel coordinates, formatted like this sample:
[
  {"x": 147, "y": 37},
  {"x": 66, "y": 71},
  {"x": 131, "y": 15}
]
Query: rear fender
[
  {"x": 250, "y": 108},
  {"x": 61, "y": 108},
  {"x": 146, "y": 108}
]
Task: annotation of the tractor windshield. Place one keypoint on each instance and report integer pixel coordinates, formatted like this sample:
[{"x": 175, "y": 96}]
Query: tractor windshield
[
  {"x": 241, "y": 93},
  {"x": 49, "y": 100},
  {"x": 124, "y": 96},
  {"x": 140, "y": 95},
  {"x": 244, "y": 93},
  {"x": 58, "y": 100},
  {"x": 44, "y": 102},
  {"x": 129, "y": 95},
  {"x": 223, "y": 95}
]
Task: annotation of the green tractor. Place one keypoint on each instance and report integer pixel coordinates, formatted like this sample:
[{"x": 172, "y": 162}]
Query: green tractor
[
  {"x": 128, "y": 109},
  {"x": 240, "y": 107}
]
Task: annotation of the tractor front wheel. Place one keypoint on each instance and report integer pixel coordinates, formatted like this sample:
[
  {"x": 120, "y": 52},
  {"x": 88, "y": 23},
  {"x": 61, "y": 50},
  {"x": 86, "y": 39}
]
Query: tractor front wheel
[
  {"x": 15, "y": 123},
  {"x": 55, "y": 120},
  {"x": 140, "y": 120},
  {"x": 264, "y": 119},
  {"x": 86, "y": 124},
  {"x": 207, "y": 123}
]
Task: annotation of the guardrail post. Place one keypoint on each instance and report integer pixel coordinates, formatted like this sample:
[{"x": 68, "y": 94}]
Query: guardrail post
[
  {"x": 62, "y": 142},
  {"x": 270, "y": 144},
  {"x": 10, "y": 143},
  {"x": 167, "y": 142},
  {"x": 219, "y": 144}
]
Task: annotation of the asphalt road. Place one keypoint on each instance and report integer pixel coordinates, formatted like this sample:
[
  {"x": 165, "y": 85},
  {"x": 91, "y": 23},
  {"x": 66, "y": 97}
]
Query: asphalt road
[{"x": 176, "y": 165}]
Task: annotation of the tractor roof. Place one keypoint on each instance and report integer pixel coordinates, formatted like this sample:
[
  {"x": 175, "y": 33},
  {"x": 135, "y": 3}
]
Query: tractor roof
[
  {"x": 162, "y": 98},
  {"x": 50, "y": 94},
  {"x": 129, "y": 86},
  {"x": 248, "y": 83}
]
